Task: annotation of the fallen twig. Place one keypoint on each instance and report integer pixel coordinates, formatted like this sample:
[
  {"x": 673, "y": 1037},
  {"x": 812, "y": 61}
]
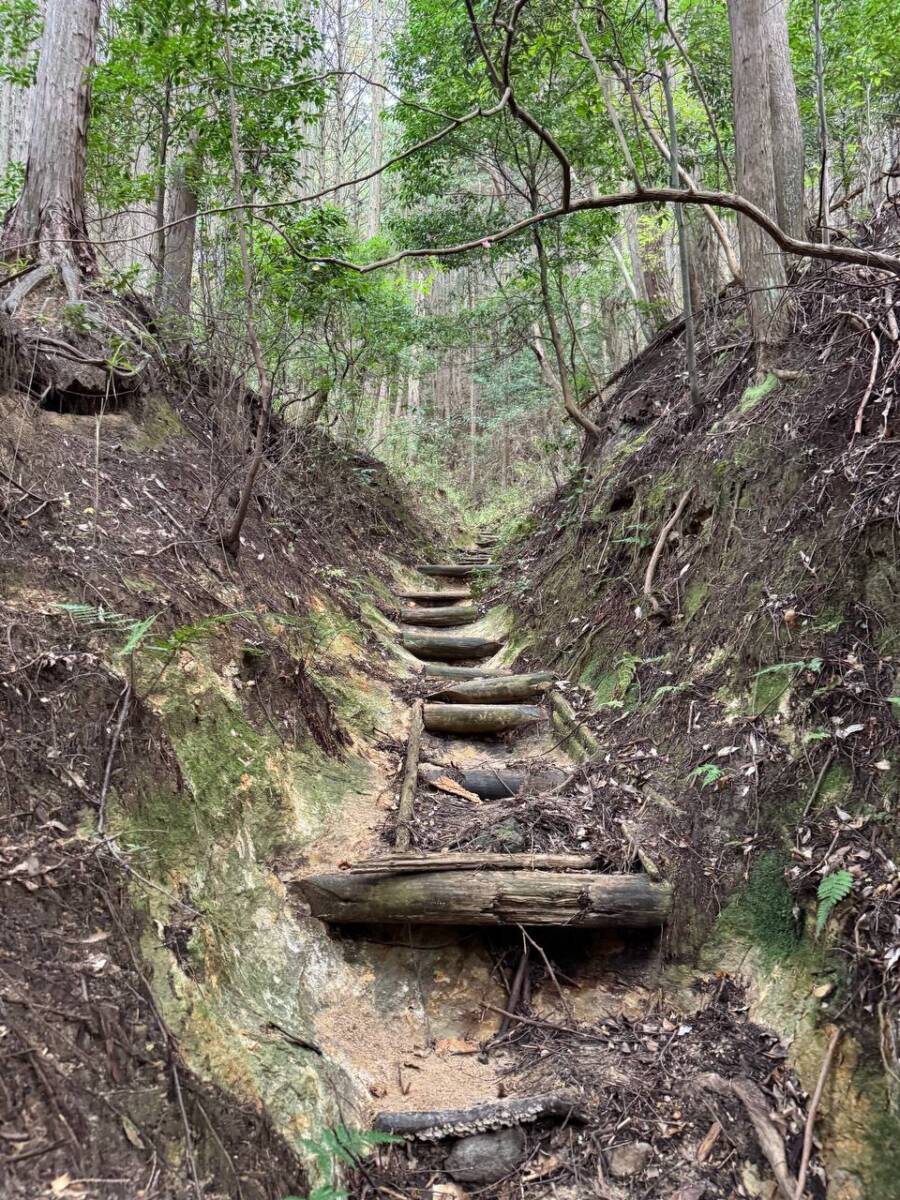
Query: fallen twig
[
  {"x": 770, "y": 1140},
  {"x": 811, "y": 1117},
  {"x": 870, "y": 386}
]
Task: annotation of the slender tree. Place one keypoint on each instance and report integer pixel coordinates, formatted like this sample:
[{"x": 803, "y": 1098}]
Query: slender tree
[{"x": 47, "y": 223}]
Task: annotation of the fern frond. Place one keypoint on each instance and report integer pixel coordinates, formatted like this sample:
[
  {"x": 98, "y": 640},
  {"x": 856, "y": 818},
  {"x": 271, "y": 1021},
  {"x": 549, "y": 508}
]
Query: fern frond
[
  {"x": 138, "y": 632},
  {"x": 832, "y": 890}
]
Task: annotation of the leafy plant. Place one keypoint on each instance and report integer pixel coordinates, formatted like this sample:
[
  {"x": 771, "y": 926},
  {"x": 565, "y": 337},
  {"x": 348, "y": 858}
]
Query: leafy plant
[
  {"x": 707, "y": 774},
  {"x": 344, "y": 1147},
  {"x": 808, "y": 664},
  {"x": 832, "y": 890},
  {"x": 105, "y": 620}
]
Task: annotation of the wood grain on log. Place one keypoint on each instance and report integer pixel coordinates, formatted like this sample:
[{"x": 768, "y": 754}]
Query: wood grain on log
[
  {"x": 451, "y": 596},
  {"x": 497, "y": 1114},
  {"x": 479, "y": 718},
  {"x": 444, "y": 860},
  {"x": 410, "y": 777},
  {"x": 439, "y": 671},
  {"x": 440, "y": 618},
  {"x": 508, "y": 689},
  {"x": 449, "y": 646},
  {"x": 584, "y": 901}
]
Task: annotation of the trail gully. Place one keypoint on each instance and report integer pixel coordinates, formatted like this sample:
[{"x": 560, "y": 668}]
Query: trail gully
[{"x": 483, "y": 732}]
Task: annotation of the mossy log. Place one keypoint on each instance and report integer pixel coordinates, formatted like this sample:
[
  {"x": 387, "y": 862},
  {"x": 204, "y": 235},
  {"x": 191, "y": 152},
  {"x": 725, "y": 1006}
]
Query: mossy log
[
  {"x": 479, "y": 718},
  {"x": 454, "y": 570},
  {"x": 449, "y": 646},
  {"x": 450, "y": 596},
  {"x": 444, "y": 860},
  {"x": 439, "y": 671},
  {"x": 582, "y": 900},
  {"x": 507, "y": 689},
  {"x": 571, "y": 725},
  {"x": 440, "y": 618}
]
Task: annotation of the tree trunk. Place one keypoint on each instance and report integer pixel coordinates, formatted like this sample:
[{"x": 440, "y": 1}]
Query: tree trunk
[
  {"x": 581, "y": 901},
  {"x": 47, "y": 223},
  {"x": 179, "y": 257},
  {"x": 478, "y": 719},
  {"x": 761, "y": 262},
  {"x": 786, "y": 129}
]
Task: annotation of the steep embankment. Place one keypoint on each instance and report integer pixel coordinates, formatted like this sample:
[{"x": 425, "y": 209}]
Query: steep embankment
[
  {"x": 721, "y": 589},
  {"x": 179, "y": 734}
]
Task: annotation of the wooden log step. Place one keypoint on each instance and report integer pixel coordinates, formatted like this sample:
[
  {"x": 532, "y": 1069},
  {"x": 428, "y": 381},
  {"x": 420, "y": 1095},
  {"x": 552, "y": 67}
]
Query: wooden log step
[
  {"x": 412, "y": 863},
  {"x": 449, "y": 646},
  {"x": 441, "y": 618},
  {"x": 495, "y": 785},
  {"x": 454, "y": 570},
  {"x": 583, "y": 900},
  {"x": 448, "y": 597},
  {"x": 479, "y": 718},
  {"x": 507, "y": 689},
  {"x": 440, "y": 671},
  {"x": 434, "y": 1125}
]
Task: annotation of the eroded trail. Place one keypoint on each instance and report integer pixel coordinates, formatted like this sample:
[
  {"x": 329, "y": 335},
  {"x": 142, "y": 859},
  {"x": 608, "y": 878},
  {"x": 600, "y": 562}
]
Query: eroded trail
[{"x": 488, "y": 749}]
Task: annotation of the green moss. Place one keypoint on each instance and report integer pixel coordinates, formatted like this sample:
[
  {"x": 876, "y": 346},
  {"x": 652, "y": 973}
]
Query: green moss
[
  {"x": 884, "y": 1155},
  {"x": 835, "y": 786},
  {"x": 762, "y": 911},
  {"x": 752, "y": 395},
  {"x": 694, "y": 599},
  {"x": 160, "y": 424},
  {"x": 769, "y": 689}
]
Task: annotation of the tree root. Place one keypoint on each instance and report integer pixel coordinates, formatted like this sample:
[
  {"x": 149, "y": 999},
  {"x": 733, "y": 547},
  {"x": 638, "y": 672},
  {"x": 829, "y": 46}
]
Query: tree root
[
  {"x": 770, "y": 1140},
  {"x": 26, "y": 285}
]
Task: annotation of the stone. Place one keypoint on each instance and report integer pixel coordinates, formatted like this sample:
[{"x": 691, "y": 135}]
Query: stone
[
  {"x": 630, "y": 1159},
  {"x": 486, "y": 1157},
  {"x": 507, "y": 835}
]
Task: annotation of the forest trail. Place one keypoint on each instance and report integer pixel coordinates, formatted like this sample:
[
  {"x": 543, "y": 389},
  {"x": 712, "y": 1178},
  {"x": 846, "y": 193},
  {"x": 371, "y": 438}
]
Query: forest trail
[{"x": 482, "y": 733}]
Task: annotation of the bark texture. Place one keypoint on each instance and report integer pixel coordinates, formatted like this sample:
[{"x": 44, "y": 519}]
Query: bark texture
[
  {"x": 585, "y": 900},
  {"x": 449, "y": 646},
  {"x": 47, "y": 223},
  {"x": 479, "y": 718}
]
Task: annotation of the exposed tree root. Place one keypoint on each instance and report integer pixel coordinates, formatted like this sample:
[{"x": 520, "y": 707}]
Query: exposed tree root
[{"x": 26, "y": 285}]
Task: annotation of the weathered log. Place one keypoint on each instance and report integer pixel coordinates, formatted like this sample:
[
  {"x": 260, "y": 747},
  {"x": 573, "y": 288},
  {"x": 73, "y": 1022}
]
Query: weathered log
[
  {"x": 582, "y": 743},
  {"x": 495, "y": 785},
  {"x": 410, "y": 777},
  {"x": 581, "y": 900},
  {"x": 440, "y": 618},
  {"x": 508, "y": 689},
  {"x": 454, "y": 570},
  {"x": 479, "y": 718},
  {"x": 459, "y": 1122},
  {"x": 439, "y": 671},
  {"x": 450, "y": 596},
  {"x": 444, "y": 860},
  {"x": 449, "y": 646}
]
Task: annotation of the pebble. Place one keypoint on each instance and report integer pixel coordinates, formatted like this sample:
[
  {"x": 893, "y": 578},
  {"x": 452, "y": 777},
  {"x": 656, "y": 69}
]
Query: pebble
[
  {"x": 486, "y": 1157},
  {"x": 630, "y": 1159}
]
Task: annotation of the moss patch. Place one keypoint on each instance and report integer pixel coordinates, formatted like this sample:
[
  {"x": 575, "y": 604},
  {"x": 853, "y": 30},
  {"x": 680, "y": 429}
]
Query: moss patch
[{"x": 763, "y": 911}]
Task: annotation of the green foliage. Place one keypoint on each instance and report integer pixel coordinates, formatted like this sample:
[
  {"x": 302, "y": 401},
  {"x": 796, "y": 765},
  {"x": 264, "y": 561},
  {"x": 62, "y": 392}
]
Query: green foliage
[
  {"x": 20, "y": 27},
  {"x": 763, "y": 910},
  {"x": 341, "y": 1147},
  {"x": 832, "y": 890},
  {"x": 707, "y": 774},
  {"x": 104, "y": 620},
  {"x": 808, "y": 664}
]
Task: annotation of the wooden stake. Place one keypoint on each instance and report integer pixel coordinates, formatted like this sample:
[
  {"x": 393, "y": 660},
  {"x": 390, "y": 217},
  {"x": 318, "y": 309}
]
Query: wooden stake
[{"x": 410, "y": 776}]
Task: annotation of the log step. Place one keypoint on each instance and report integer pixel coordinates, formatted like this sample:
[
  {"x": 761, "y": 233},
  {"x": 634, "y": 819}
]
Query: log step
[
  {"x": 495, "y": 785},
  {"x": 445, "y": 860},
  {"x": 508, "y": 689},
  {"x": 454, "y": 570},
  {"x": 449, "y": 646},
  {"x": 448, "y": 597},
  {"x": 439, "y": 671},
  {"x": 582, "y": 900},
  {"x": 479, "y": 719},
  {"x": 435, "y": 1125},
  {"x": 440, "y": 618}
]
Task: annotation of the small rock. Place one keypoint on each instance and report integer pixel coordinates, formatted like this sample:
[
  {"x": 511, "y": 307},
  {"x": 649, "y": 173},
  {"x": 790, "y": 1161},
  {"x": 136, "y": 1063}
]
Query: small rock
[
  {"x": 486, "y": 1157},
  {"x": 630, "y": 1159}
]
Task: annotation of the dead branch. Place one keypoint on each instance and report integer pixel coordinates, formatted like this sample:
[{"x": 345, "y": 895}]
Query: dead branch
[
  {"x": 811, "y": 1118},
  {"x": 661, "y": 542},
  {"x": 410, "y": 775},
  {"x": 870, "y": 386},
  {"x": 770, "y": 1140}
]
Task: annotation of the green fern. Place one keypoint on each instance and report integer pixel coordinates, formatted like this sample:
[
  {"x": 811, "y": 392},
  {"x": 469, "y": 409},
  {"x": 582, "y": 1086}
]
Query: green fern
[
  {"x": 188, "y": 635},
  {"x": 105, "y": 620},
  {"x": 806, "y": 664},
  {"x": 832, "y": 890},
  {"x": 707, "y": 774},
  {"x": 344, "y": 1147}
]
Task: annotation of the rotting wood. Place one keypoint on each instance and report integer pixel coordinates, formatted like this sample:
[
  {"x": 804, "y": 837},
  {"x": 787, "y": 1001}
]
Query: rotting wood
[
  {"x": 449, "y": 646},
  {"x": 568, "y": 722},
  {"x": 410, "y": 864},
  {"x": 550, "y": 898},
  {"x": 410, "y": 776},
  {"x": 439, "y": 671},
  {"x": 479, "y": 718},
  {"x": 451, "y": 596},
  {"x": 458, "y": 1122},
  {"x": 507, "y": 689},
  {"x": 441, "y": 618},
  {"x": 455, "y": 570}
]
